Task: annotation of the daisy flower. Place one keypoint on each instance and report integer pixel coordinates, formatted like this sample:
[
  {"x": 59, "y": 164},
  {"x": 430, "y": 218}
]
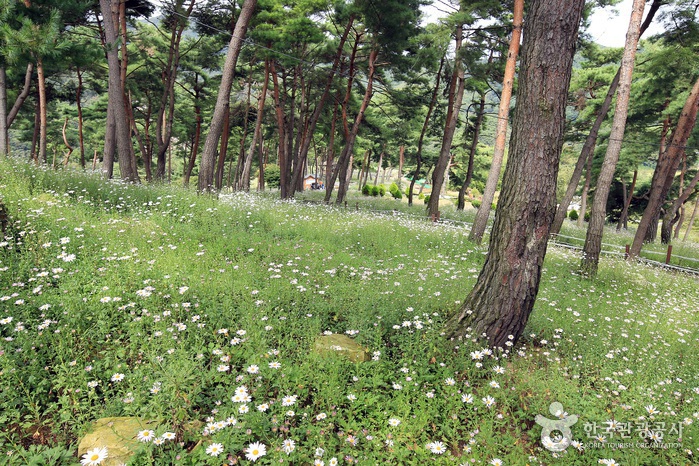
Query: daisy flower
[
  {"x": 393, "y": 422},
  {"x": 94, "y": 457},
  {"x": 117, "y": 377},
  {"x": 288, "y": 446},
  {"x": 437, "y": 447},
  {"x": 214, "y": 449},
  {"x": 255, "y": 451},
  {"x": 146, "y": 435}
]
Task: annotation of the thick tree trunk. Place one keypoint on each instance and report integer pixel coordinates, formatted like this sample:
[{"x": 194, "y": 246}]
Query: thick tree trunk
[
  {"x": 491, "y": 184},
  {"x": 456, "y": 94},
  {"x": 195, "y": 144},
  {"x": 116, "y": 111},
  {"x": 208, "y": 156},
  {"x": 243, "y": 139},
  {"x": 499, "y": 305},
  {"x": 425, "y": 125},
  {"x": 672, "y": 156},
  {"x": 588, "y": 149},
  {"x": 595, "y": 229},
  {"x": 282, "y": 155},
  {"x": 472, "y": 154}
]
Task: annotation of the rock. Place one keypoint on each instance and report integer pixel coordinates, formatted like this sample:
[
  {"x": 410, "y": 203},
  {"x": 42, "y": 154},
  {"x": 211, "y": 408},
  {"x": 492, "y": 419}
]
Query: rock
[
  {"x": 343, "y": 345},
  {"x": 118, "y": 434}
]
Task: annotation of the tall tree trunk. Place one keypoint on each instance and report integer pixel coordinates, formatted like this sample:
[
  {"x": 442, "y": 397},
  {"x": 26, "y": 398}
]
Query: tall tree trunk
[
  {"x": 22, "y": 95},
  {"x": 472, "y": 153},
  {"x": 208, "y": 156},
  {"x": 456, "y": 94},
  {"x": 425, "y": 125},
  {"x": 42, "y": 109},
  {"x": 197, "y": 138},
  {"x": 491, "y": 184},
  {"x": 595, "y": 229},
  {"x": 78, "y": 102},
  {"x": 240, "y": 162},
  {"x": 35, "y": 135},
  {"x": 345, "y": 161},
  {"x": 378, "y": 167},
  {"x": 4, "y": 140},
  {"x": 588, "y": 150},
  {"x": 282, "y": 155},
  {"x": 503, "y": 297},
  {"x": 310, "y": 130},
  {"x": 120, "y": 135},
  {"x": 332, "y": 177},
  {"x": 330, "y": 157},
  {"x": 672, "y": 155},
  {"x": 166, "y": 112},
  {"x": 256, "y": 138}
]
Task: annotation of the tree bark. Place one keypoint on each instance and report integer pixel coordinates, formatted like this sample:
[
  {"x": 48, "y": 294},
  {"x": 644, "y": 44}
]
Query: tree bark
[
  {"x": 22, "y": 95},
  {"x": 456, "y": 94},
  {"x": 499, "y": 305},
  {"x": 208, "y": 156},
  {"x": 120, "y": 135},
  {"x": 491, "y": 184},
  {"x": 672, "y": 213},
  {"x": 4, "y": 140},
  {"x": 595, "y": 229},
  {"x": 41, "y": 82},
  {"x": 256, "y": 138},
  {"x": 672, "y": 155},
  {"x": 472, "y": 153},
  {"x": 588, "y": 149},
  {"x": 78, "y": 103}
]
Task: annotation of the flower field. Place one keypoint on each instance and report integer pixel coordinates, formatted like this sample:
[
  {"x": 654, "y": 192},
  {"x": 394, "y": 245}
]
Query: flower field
[{"x": 200, "y": 315}]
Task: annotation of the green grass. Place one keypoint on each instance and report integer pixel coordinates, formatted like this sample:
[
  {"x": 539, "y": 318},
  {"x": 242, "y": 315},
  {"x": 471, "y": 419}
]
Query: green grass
[{"x": 185, "y": 295}]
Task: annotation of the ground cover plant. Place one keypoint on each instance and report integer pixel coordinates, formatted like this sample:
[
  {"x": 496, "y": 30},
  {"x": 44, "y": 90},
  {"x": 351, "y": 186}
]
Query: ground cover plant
[{"x": 201, "y": 313}]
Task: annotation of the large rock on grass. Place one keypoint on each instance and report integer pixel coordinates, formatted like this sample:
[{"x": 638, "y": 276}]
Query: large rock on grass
[
  {"x": 342, "y": 345},
  {"x": 118, "y": 435}
]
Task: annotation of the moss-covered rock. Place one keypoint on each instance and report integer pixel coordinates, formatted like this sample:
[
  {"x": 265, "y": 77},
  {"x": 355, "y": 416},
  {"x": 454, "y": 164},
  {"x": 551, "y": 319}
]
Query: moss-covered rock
[{"x": 343, "y": 345}]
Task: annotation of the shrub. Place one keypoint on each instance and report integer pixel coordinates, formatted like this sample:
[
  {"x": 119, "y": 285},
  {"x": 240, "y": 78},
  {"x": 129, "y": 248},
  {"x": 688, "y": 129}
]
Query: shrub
[
  {"x": 420, "y": 196},
  {"x": 476, "y": 203},
  {"x": 427, "y": 198},
  {"x": 375, "y": 191},
  {"x": 366, "y": 190},
  {"x": 382, "y": 190},
  {"x": 587, "y": 216},
  {"x": 273, "y": 175},
  {"x": 573, "y": 215},
  {"x": 395, "y": 191}
]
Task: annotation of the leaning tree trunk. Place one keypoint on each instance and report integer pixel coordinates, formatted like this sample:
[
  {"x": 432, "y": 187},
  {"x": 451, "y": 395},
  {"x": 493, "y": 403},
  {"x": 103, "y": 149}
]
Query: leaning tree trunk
[
  {"x": 672, "y": 156},
  {"x": 595, "y": 229},
  {"x": 588, "y": 149},
  {"x": 671, "y": 215},
  {"x": 425, "y": 125},
  {"x": 208, "y": 156},
  {"x": 691, "y": 220},
  {"x": 456, "y": 94},
  {"x": 503, "y": 297},
  {"x": 244, "y": 182},
  {"x": 624, "y": 217},
  {"x": 491, "y": 184}
]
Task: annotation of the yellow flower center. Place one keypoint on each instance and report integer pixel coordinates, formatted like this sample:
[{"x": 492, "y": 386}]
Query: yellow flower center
[
  {"x": 256, "y": 451},
  {"x": 94, "y": 457}
]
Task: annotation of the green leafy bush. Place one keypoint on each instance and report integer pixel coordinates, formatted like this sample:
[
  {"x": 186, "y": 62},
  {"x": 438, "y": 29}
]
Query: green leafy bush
[
  {"x": 382, "y": 190},
  {"x": 273, "y": 175},
  {"x": 375, "y": 191},
  {"x": 573, "y": 215},
  {"x": 395, "y": 191},
  {"x": 476, "y": 203},
  {"x": 366, "y": 190},
  {"x": 427, "y": 198}
]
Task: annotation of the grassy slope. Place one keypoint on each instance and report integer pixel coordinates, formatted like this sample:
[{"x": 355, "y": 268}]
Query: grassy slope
[{"x": 163, "y": 280}]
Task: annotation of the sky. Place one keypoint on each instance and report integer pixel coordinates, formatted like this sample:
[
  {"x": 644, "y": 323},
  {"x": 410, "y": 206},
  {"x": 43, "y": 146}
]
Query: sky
[{"x": 607, "y": 27}]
